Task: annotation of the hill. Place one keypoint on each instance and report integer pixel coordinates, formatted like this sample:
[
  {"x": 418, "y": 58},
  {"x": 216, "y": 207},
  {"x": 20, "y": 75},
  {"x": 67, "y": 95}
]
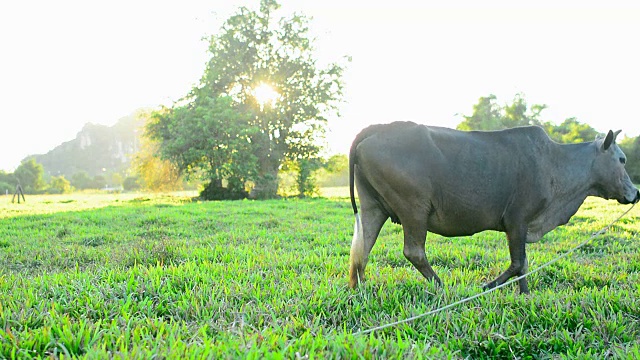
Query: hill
[{"x": 96, "y": 149}]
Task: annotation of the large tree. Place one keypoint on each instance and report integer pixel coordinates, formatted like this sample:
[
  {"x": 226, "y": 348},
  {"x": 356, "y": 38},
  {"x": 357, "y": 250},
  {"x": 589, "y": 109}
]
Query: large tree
[
  {"x": 263, "y": 99},
  {"x": 208, "y": 137}
]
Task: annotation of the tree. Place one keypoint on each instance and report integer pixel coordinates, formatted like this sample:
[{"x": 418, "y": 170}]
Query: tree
[
  {"x": 116, "y": 179},
  {"x": 81, "y": 180},
  {"x": 7, "y": 177},
  {"x": 335, "y": 171},
  {"x": 131, "y": 183},
  {"x": 517, "y": 113},
  {"x": 207, "y": 138},
  {"x": 488, "y": 115},
  {"x": 305, "y": 175},
  {"x": 157, "y": 174},
  {"x": 571, "y": 131},
  {"x": 7, "y": 182},
  {"x": 226, "y": 130},
  {"x": 154, "y": 173},
  {"x": 59, "y": 185},
  {"x": 29, "y": 174},
  {"x": 98, "y": 182}
]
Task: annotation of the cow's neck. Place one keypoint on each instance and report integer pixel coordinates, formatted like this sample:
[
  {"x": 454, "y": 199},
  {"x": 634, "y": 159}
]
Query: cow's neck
[
  {"x": 570, "y": 186},
  {"x": 573, "y": 180}
]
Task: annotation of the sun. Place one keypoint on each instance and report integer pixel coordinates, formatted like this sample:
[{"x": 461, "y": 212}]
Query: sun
[{"x": 265, "y": 94}]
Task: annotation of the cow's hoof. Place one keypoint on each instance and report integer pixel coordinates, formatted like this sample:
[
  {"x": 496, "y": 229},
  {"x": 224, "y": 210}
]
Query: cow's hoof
[{"x": 489, "y": 286}]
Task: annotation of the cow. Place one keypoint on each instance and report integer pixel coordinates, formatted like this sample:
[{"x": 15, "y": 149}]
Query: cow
[{"x": 458, "y": 183}]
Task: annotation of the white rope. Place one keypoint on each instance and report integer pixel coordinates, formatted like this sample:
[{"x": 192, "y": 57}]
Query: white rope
[{"x": 499, "y": 286}]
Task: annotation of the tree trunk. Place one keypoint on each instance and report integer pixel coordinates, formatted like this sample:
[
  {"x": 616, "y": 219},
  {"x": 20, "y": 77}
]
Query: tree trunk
[
  {"x": 215, "y": 191},
  {"x": 269, "y": 156},
  {"x": 266, "y": 185}
]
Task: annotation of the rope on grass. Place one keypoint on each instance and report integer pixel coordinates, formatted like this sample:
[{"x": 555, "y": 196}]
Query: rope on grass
[{"x": 416, "y": 317}]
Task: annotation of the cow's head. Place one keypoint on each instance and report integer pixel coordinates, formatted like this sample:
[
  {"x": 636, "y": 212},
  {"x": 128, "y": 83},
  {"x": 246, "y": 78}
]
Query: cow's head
[{"x": 612, "y": 180}]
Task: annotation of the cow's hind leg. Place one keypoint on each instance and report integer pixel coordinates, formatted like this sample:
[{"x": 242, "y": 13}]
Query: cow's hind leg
[
  {"x": 415, "y": 237},
  {"x": 368, "y": 224},
  {"x": 519, "y": 264}
]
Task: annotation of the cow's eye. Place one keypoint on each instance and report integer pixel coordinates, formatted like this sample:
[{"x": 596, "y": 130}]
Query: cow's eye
[{"x": 623, "y": 160}]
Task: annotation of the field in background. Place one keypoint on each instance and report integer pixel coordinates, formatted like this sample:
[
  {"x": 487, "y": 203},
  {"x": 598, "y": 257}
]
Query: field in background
[
  {"x": 138, "y": 275},
  {"x": 335, "y": 192}
]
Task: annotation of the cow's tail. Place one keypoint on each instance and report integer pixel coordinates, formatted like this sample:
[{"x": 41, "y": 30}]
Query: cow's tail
[
  {"x": 352, "y": 174},
  {"x": 357, "y": 259}
]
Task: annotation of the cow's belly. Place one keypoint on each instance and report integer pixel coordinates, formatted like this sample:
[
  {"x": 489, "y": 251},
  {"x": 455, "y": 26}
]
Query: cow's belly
[{"x": 459, "y": 223}]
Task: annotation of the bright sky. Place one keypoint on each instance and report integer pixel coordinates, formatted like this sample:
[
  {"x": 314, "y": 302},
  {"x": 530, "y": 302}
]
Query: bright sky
[{"x": 65, "y": 63}]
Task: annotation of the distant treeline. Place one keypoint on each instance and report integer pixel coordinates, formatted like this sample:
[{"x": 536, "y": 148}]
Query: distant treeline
[{"x": 31, "y": 176}]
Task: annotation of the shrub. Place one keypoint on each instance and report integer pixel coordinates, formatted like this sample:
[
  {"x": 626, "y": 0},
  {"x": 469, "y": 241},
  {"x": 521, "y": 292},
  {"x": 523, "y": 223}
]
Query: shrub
[
  {"x": 131, "y": 183},
  {"x": 59, "y": 185},
  {"x": 215, "y": 191},
  {"x": 6, "y": 188}
]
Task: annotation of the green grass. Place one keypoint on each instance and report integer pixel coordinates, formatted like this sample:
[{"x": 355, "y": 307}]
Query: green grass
[{"x": 138, "y": 276}]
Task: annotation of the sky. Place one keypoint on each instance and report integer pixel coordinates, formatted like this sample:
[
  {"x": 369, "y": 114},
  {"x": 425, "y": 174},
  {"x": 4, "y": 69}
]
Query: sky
[{"x": 66, "y": 63}]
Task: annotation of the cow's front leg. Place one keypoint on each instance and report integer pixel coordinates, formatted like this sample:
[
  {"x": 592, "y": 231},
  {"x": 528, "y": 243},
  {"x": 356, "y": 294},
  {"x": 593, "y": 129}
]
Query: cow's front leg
[
  {"x": 519, "y": 264},
  {"x": 524, "y": 284}
]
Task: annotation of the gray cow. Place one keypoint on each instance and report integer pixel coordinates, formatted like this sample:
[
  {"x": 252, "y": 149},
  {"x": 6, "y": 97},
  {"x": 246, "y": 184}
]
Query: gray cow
[{"x": 457, "y": 183}]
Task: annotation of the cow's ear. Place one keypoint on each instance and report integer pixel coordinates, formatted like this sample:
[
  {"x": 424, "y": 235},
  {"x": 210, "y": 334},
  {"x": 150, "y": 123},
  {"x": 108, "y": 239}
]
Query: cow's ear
[{"x": 608, "y": 140}]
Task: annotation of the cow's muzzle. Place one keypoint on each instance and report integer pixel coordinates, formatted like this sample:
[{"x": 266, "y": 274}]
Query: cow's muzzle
[{"x": 626, "y": 200}]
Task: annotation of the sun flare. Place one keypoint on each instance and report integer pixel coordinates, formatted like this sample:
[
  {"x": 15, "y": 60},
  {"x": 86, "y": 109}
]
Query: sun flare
[{"x": 265, "y": 94}]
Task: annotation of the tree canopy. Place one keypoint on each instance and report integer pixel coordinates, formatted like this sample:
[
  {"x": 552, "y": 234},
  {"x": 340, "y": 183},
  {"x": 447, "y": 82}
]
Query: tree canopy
[
  {"x": 59, "y": 185},
  {"x": 231, "y": 134},
  {"x": 571, "y": 131},
  {"x": 153, "y": 173},
  {"x": 29, "y": 175},
  {"x": 489, "y": 115}
]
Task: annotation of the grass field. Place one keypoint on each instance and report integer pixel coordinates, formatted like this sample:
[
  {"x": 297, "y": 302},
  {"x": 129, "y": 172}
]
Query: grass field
[{"x": 142, "y": 276}]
